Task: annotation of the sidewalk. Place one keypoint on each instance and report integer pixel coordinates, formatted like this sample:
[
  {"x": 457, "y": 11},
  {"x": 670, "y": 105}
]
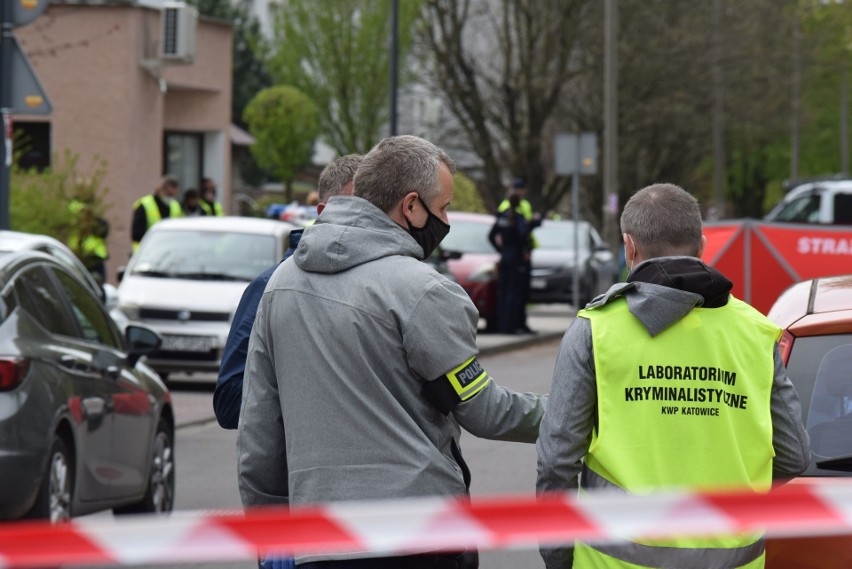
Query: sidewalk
[{"x": 549, "y": 321}]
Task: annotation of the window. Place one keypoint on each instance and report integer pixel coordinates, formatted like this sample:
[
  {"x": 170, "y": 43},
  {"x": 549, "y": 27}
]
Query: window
[
  {"x": 205, "y": 255},
  {"x": 38, "y": 296},
  {"x": 804, "y": 210},
  {"x": 843, "y": 209},
  {"x": 32, "y": 141},
  {"x": 830, "y": 415},
  {"x": 92, "y": 320},
  {"x": 183, "y": 158}
]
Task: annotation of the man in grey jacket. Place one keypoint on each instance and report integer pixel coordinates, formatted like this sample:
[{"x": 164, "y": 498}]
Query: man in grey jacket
[
  {"x": 362, "y": 361},
  {"x": 669, "y": 381}
]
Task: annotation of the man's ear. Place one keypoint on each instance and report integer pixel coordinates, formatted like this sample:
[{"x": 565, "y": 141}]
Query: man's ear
[
  {"x": 407, "y": 204},
  {"x": 701, "y": 247},
  {"x": 629, "y": 247}
]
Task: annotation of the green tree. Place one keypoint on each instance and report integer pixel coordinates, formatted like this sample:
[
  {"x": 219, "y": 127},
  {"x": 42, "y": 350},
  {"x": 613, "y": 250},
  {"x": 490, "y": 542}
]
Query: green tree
[
  {"x": 466, "y": 196},
  {"x": 336, "y": 51},
  {"x": 283, "y": 121},
  {"x": 503, "y": 67}
]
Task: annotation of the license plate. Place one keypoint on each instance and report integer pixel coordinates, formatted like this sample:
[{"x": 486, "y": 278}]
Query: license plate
[
  {"x": 538, "y": 283},
  {"x": 186, "y": 343}
]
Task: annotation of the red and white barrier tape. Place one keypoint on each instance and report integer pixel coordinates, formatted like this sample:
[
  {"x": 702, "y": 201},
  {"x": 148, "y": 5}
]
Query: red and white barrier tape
[{"x": 818, "y": 508}]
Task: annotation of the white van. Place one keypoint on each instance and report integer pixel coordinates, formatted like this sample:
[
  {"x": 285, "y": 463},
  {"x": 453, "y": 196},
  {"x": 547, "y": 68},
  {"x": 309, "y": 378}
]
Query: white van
[
  {"x": 818, "y": 201},
  {"x": 186, "y": 280}
]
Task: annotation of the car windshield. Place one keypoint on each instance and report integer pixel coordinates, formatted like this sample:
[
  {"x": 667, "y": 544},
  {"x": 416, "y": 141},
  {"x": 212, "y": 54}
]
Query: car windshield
[
  {"x": 558, "y": 236},
  {"x": 830, "y": 415},
  {"x": 205, "y": 255},
  {"x": 804, "y": 210},
  {"x": 468, "y": 237}
]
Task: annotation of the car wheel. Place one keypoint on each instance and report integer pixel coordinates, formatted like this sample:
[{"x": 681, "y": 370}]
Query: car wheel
[
  {"x": 160, "y": 493},
  {"x": 57, "y": 487}
]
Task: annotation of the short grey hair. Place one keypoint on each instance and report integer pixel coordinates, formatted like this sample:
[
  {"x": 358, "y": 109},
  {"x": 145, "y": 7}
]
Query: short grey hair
[
  {"x": 398, "y": 165},
  {"x": 664, "y": 220},
  {"x": 336, "y": 174},
  {"x": 170, "y": 180}
]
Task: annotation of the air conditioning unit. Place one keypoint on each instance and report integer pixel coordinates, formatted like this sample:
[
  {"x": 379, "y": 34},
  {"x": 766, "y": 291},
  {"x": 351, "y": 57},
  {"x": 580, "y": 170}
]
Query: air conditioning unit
[{"x": 177, "y": 32}]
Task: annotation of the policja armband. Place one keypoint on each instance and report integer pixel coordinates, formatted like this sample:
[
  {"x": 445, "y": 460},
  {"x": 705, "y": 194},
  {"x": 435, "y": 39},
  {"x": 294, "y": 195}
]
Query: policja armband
[{"x": 457, "y": 385}]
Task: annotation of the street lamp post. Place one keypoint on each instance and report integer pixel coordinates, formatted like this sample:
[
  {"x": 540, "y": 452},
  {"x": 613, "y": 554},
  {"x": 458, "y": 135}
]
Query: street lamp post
[{"x": 393, "y": 63}]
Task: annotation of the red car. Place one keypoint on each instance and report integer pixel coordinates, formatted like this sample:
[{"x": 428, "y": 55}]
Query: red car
[
  {"x": 476, "y": 268},
  {"x": 816, "y": 316}
]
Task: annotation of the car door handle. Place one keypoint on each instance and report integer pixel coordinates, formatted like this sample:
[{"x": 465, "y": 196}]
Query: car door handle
[
  {"x": 112, "y": 372},
  {"x": 69, "y": 362}
]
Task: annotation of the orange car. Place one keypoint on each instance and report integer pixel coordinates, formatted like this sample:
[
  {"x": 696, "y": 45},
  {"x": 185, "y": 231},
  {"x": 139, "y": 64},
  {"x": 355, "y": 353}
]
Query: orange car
[{"x": 816, "y": 316}]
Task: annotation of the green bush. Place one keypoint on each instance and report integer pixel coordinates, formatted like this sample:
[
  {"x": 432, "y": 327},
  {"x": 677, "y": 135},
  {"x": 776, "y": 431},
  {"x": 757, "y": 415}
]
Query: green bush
[{"x": 40, "y": 202}]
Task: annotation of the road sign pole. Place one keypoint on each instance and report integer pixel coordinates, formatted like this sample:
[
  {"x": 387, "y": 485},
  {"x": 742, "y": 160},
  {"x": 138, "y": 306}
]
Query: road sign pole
[{"x": 6, "y": 46}]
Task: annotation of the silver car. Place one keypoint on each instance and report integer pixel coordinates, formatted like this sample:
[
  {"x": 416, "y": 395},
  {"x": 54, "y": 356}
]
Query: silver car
[
  {"x": 85, "y": 425},
  {"x": 187, "y": 278}
]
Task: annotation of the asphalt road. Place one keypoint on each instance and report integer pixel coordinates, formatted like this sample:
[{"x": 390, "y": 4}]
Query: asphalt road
[{"x": 206, "y": 460}]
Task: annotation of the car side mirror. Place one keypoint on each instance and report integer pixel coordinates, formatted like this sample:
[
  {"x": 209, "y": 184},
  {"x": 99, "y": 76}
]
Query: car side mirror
[
  {"x": 603, "y": 246},
  {"x": 141, "y": 341},
  {"x": 447, "y": 255},
  {"x": 120, "y": 272}
]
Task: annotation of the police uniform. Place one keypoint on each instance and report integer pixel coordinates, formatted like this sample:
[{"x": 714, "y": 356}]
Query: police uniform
[
  {"x": 149, "y": 210},
  {"x": 668, "y": 381}
]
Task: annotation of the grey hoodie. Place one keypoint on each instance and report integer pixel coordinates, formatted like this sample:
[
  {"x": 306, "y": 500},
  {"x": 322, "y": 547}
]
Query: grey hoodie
[
  {"x": 672, "y": 287},
  {"x": 347, "y": 332}
]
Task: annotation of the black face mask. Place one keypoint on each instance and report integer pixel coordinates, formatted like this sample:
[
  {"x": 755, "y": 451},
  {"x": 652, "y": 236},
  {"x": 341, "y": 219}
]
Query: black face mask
[{"x": 432, "y": 233}]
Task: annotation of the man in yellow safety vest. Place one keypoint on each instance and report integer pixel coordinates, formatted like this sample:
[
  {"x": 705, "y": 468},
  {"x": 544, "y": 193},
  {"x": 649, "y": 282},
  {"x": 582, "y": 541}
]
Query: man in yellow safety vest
[
  {"x": 668, "y": 381},
  {"x": 160, "y": 204},
  {"x": 208, "y": 201}
]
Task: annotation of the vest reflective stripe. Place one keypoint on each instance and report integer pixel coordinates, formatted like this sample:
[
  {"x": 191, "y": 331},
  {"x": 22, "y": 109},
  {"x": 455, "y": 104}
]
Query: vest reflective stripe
[
  {"x": 215, "y": 210},
  {"x": 682, "y": 558},
  {"x": 688, "y": 408},
  {"x": 669, "y": 557}
]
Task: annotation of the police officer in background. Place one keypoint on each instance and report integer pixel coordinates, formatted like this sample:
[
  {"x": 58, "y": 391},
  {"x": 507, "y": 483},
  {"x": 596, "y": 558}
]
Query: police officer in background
[
  {"x": 669, "y": 381},
  {"x": 160, "y": 204},
  {"x": 208, "y": 201},
  {"x": 533, "y": 220}
]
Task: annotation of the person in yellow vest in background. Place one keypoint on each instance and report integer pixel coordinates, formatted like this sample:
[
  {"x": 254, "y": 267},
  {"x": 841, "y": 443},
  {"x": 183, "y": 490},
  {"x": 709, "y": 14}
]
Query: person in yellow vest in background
[
  {"x": 668, "y": 381},
  {"x": 160, "y": 204},
  {"x": 533, "y": 220},
  {"x": 88, "y": 238},
  {"x": 208, "y": 201}
]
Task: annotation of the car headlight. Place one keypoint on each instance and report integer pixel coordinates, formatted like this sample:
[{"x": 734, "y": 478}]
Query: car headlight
[
  {"x": 130, "y": 310},
  {"x": 483, "y": 274}
]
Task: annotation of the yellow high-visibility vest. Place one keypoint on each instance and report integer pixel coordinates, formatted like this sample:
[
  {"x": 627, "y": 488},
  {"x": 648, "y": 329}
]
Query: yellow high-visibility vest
[{"x": 689, "y": 408}]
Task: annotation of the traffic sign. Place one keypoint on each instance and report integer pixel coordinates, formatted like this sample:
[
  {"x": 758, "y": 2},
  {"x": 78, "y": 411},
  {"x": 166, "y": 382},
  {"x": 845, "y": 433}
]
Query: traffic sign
[
  {"x": 25, "y": 11},
  {"x": 28, "y": 96},
  {"x": 570, "y": 159}
]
